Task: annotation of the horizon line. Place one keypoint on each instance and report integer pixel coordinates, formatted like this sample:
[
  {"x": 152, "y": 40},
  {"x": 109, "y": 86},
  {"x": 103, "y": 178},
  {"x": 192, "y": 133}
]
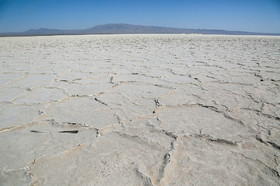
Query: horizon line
[{"x": 83, "y": 29}]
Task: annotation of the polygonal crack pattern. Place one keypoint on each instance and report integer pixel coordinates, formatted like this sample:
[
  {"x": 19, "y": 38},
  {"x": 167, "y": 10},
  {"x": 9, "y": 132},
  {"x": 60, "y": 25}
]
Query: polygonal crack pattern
[{"x": 140, "y": 110}]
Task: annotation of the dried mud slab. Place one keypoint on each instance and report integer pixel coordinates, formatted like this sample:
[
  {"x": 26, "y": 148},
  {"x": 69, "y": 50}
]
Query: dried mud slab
[
  {"x": 205, "y": 162},
  {"x": 110, "y": 157}
]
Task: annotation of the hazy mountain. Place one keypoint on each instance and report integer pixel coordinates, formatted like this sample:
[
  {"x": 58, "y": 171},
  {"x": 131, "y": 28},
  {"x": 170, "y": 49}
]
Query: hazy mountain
[{"x": 129, "y": 29}]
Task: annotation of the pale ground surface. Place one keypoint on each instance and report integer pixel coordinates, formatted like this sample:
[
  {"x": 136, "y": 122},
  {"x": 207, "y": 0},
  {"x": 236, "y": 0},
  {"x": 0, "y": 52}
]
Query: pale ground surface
[{"x": 140, "y": 110}]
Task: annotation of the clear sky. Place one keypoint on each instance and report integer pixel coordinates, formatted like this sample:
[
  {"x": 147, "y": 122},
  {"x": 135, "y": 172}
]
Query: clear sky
[{"x": 243, "y": 15}]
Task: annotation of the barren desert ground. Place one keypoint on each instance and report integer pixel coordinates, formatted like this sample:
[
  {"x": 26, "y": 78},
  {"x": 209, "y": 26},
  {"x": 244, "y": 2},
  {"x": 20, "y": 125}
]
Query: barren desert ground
[{"x": 140, "y": 110}]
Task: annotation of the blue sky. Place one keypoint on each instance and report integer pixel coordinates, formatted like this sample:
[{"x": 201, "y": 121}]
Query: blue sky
[{"x": 243, "y": 15}]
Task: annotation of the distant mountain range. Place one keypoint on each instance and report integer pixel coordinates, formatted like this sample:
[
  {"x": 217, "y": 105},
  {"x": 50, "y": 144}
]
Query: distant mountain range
[{"x": 129, "y": 29}]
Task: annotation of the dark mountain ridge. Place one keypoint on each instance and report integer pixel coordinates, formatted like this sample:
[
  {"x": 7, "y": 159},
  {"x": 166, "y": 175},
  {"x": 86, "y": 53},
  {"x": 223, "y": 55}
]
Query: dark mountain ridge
[{"x": 128, "y": 29}]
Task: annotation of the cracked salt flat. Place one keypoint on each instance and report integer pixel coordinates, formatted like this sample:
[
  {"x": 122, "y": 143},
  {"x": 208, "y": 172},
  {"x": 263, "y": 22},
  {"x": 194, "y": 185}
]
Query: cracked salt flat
[{"x": 140, "y": 110}]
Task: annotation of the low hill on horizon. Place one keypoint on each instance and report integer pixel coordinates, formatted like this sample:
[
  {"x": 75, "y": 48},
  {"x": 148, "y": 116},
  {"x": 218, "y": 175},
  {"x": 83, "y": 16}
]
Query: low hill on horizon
[{"x": 129, "y": 29}]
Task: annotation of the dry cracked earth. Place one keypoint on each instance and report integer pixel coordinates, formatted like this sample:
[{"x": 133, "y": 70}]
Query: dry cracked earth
[{"x": 140, "y": 110}]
